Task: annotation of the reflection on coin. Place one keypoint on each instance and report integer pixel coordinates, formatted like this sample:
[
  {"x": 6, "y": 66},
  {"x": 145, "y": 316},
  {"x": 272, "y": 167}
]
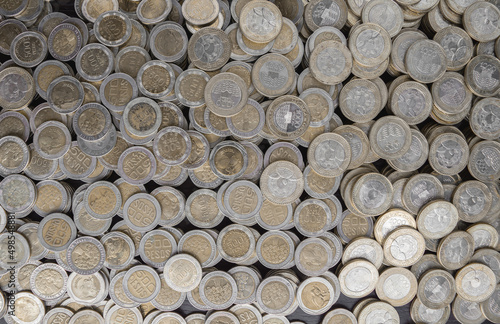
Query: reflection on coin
[
  {"x": 455, "y": 250},
  {"x": 358, "y": 278},
  {"x": 182, "y": 272},
  {"x": 436, "y": 289},
  {"x": 397, "y": 286}
]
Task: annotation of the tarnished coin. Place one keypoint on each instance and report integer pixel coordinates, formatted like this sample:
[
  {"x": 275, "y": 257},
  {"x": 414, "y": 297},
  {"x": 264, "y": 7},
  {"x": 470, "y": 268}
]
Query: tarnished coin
[
  {"x": 142, "y": 117},
  {"x": 473, "y": 201},
  {"x": 288, "y": 117},
  {"x": 163, "y": 38},
  {"x": 65, "y": 94},
  {"x": 91, "y": 122},
  {"x": 156, "y": 79},
  {"x": 172, "y": 145},
  {"x": 182, "y": 272},
  {"x": 376, "y": 11},
  {"x": 325, "y": 13},
  {"x": 475, "y": 282},
  {"x": 112, "y": 28},
  {"x": 10, "y": 28},
  {"x": 437, "y": 219},
  {"x": 16, "y": 155},
  {"x": 275, "y": 295},
  {"x": 358, "y": 278},
  {"x": 371, "y": 194},
  {"x": 27, "y": 308},
  {"x": 15, "y": 242},
  {"x": 403, "y": 247},
  {"x": 448, "y": 153},
  {"x": 209, "y": 48},
  {"x": 65, "y": 41},
  {"x": 488, "y": 307},
  {"x": 17, "y": 88},
  {"x": 120, "y": 250},
  {"x": 56, "y": 232},
  {"x": 318, "y": 186},
  {"x": 218, "y": 290},
  {"x": 284, "y": 151},
  {"x": 199, "y": 244},
  {"x": 200, "y": 12},
  {"x": 85, "y": 255},
  {"x": 312, "y": 217},
  {"x": 52, "y": 140},
  {"x": 228, "y": 160},
  {"x": 352, "y": 226},
  {"x": 455, "y": 250},
  {"x": 156, "y": 247},
  {"x": 202, "y": 209},
  {"x": 36, "y": 52},
  {"x": 142, "y": 212},
  {"x": 396, "y": 286},
  {"x": 48, "y": 281},
  {"x": 313, "y": 256},
  {"x": 436, "y": 289},
  {"x": 260, "y": 21},
  {"x": 141, "y": 284},
  {"x": 273, "y": 74},
  {"x": 94, "y": 62}
]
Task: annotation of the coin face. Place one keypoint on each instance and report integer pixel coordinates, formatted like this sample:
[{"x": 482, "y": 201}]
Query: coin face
[
  {"x": 481, "y": 167},
  {"x": 209, "y": 49},
  {"x": 141, "y": 284},
  {"x": 397, "y": 286},
  {"x": 200, "y": 12},
  {"x": 273, "y": 75},
  {"x": 65, "y": 94},
  {"x": 228, "y": 160},
  {"x": 455, "y": 250},
  {"x": 436, "y": 288},
  {"x": 437, "y": 219},
  {"x": 142, "y": 212},
  {"x": 153, "y": 11},
  {"x": 112, "y": 28},
  {"x": 275, "y": 249},
  {"x": 17, "y": 88},
  {"x": 358, "y": 278},
  {"x": 137, "y": 165},
  {"x": 473, "y": 200},
  {"x": 182, "y": 272},
  {"x": 421, "y": 312},
  {"x": 260, "y": 21},
  {"x": 275, "y": 294},
  {"x": 476, "y": 28},
  {"x": 85, "y": 255},
  {"x": 33, "y": 56},
  {"x": 226, "y": 94}
]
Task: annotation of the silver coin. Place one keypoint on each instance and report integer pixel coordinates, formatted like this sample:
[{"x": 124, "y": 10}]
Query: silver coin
[{"x": 42, "y": 277}]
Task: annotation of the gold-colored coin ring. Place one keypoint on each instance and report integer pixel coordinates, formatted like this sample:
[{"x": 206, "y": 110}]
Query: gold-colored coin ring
[
  {"x": 17, "y": 75},
  {"x": 444, "y": 245},
  {"x": 199, "y": 12},
  {"x": 284, "y": 104},
  {"x": 399, "y": 234},
  {"x": 316, "y": 144},
  {"x": 472, "y": 272},
  {"x": 211, "y": 63},
  {"x": 430, "y": 278},
  {"x": 273, "y": 19},
  {"x": 396, "y": 276},
  {"x": 213, "y": 94}
]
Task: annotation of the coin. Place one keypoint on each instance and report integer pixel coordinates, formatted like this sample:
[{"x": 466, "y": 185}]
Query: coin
[
  {"x": 404, "y": 247},
  {"x": 228, "y": 160},
  {"x": 137, "y": 165},
  {"x": 455, "y": 62},
  {"x": 33, "y": 306},
  {"x": 200, "y": 13},
  {"x": 364, "y": 248},
  {"x": 226, "y": 94},
  {"x": 141, "y": 284},
  {"x": 190, "y": 269},
  {"x": 142, "y": 212},
  {"x": 58, "y": 314},
  {"x": 273, "y": 75},
  {"x": 421, "y": 312},
  {"x": 48, "y": 281},
  {"x": 21, "y": 246},
  {"x": 432, "y": 282},
  {"x": 312, "y": 217},
  {"x": 484, "y": 236},
  {"x": 396, "y": 286},
  {"x": 85, "y": 255},
  {"x": 275, "y": 295},
  {"x": 477, "y": 165},
  {"x": 419, "y": 190},
  {"x": 112, "y": 28},
  {"x": 120, "y": 250},
  {"x": 153, "y": 12},
  {"x": 437, "y": 219},
  {"x": 37, "y": 49},
  {"x": 17, "y": 193},
  {"x": 202, "y": 49},
  {"x": 16, "y": 155},
  {"x": 455, "y": 250},
  {"x": 330, "y": 62},
  {"x": 313, "y": 256},
  {"x": 358, "y": 278},
  {"x": 275, "y": 249},
  {"x": 466, "y": 278},
  {"x": 156, "y": 79},
  {"x": 466, "y": 311},
  {"x": 339, "y": 315},
  {"x": 477, "y": 29},
  {"x": 17, "y": 88},
  {"x": 455, "y": 158},
  {"x": 315, "y": 295},
  {"x": 352, "y": 226},
  {"x": 174, "y": 34}
]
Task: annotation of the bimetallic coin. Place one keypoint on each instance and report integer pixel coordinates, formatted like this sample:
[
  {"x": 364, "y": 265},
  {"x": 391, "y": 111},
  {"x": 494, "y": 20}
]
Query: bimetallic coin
[
  {"x": 313, "y": 256},
  {"x": 315, "y": 295},
  {"x": 455, "y": 250},
  {"x": 102, "y": 200},
  {"x": 330, "y": 62},
  {"x": 488, "y": 307},
  {"x": 390, "y": 137},
  {"x": 142, "y": 212},
  {"x": 325, "y": 13},
  {"x": 190, "y": 87},
  {"x": 288, "y": 117},
  {"x": 275, "y": 295},
  {"x": 17, "y": 242},
  {"x": 130, "y": 59},
  {"x": 16, "y": 155},
  {"x": 481, "y": 75},
  {"x": 273, "y": 75},
  {"x": 142, "y": 117},
  {"x": 451, "y": 37},
  {"x": 448, "y": 153},
  {"x": 226, "y": 94},
  {"x": 14, "y": 123},
  {"x": 28, "y": 308},
  {"x": 329, "y": 155},
  {"x": 436, "y": 289},
  {"x": 48, "y": 281},
  {"x": 200, "y": 12},
  {"x": 137, "y": 165},
  {"x": 426, "y": 61},
  {"x": 475, "y": 25},
  {"x": 369, "y": 44},
  {"x": 284, "y": 151},
  {"x": 419, "y": 312},
  {"x": 163, "y": 38},
  {"x": 473, "y": 201},
  {"x": 202, "y": 210},
  {"x": 352, "y": 226},
  {"x": 484, "y": 235},
  {"x": 403, "y": 247},
  {"x": 312, "y": 217},
  {"x": 17, "y": 193},
  {"x": 94, "y": 62},
  {"x": 339, "y": 315},
  {"x": 358, "y": 278},
  {"x": 17, "y": 88},
  {"x": 419, "y": 190},
  {"x": 182, "y": 273},
  {"x": 112, "y": 28},
  {"x": 475, "y": 282},
  {"x": 260, "y": 21},
  {"x": 209, "y": 49},
  {"x": 36, "y": 52},
  {"x": 218, "y": 290},
  {"x": 482, "y": 161},
  {"x": 65, "y": 94},
  {"x": 10, "y": 28},
  {"x": 467, "y": 311},
  {"x": 156, "y": 247},
  {"x": 275, "y": 249},
  {"x": 282, "y": 182},
  {"x": 119, "y": 248},
  {"x": 172, "y": 145},
  {"x": 482, "y": 117},
  {"x": 141, "y": 284},
  {"x": 371, "y": 194},
  {"x": 117, "y": 293},
  {"x": 57, "y": 315},
  {"x": 156, "y": 79},
  {"x": 52, "y": 140},
  {"x": 117, "y": 313},
  {"x": 85, "y": 255},
  {"x": 376, "y": 11},
  {"x": 437, "y": 219},
  {"x": 396, "y": 286},
  {"x": 91, "y": 122},
  {"x": 56, "y": 232},
  {"x": 364, "y": 248},
  {"x": 228, "y": 160},
  {"x": 153, "y": 11},
  {"x": 320, "y": 187}
]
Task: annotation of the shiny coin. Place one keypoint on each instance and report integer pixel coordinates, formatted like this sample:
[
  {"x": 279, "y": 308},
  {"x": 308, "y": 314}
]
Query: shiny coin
[
  {"x": 325, "y": 13},
  {"x": 482, "y": 165},
  {"x": 315, "y": 249},
  {"x": 475, "y": 282},
  {"x": 358, "y": 278},
  {"x": 455, "y": 62},
  {"x": 331, "y": 62},
  {"x": 102, "y": 200},
  {"x": 137, "y": 165},
  {"x": 358, "y": 142},
  {"x": 487, "y": 66},
  {"x": 190, "y": 87},
  {"x": 404, "y": 247},
  {"x": 37, "y": 43},
  {"x": 484, "y": 236},
  {"x": 420, "y": 312},
  {"x": 436, "y": 289},
  {"x": 156, "y": 247},
  {"x": 455, "y": 250},
  {"x": 218, "y": 290},
  {"x": 315, "y": 295},
  {"x": 228, "y": 160},
  {"x": 182, "y": 272},
  {"x": 426, "y": 61},
  {"x": 397, "y": 286},
  {"x": 209, "y": 49},
  {"x": 226, "y": 94},
  {"x": 33, "y": 307},
  {"x": 479, "y": 121},
  {"x": 473, "y": 200},
  {"x": 448, "y": 153},
  {"x": 369, "y": 44},
  {"x": 256, "y": 29},
  {"x": 288, "y": 117},
  {"x": 478, "y": 29},
  {"x": 57, "y": 314},
  {"x": 364, "y": 248},
  {"x": 282, "y": 182},
  {"x": 200, "y": 13},
  {"x": 199, "y": 244},
  {"x": 437, "y": 219},
  {"x": 419, "y": 190},
  {"x": 467, "y": 312},
  {"x": 312, "y": 217},
  {"x": 488, "y": 306},
  {"x": 390, "y": 137},
  {"x": 320, "y": 151}
]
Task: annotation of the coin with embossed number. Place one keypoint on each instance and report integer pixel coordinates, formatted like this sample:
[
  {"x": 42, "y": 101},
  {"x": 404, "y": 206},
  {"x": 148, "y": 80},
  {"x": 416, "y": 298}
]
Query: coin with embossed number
[
  {"x": 436, "y": 288},
  {"x": 182, "y": 272}
]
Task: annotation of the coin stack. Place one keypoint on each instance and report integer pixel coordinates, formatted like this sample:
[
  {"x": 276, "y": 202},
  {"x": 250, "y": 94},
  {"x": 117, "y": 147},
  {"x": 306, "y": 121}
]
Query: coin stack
[{"x": 253, "y": 160}]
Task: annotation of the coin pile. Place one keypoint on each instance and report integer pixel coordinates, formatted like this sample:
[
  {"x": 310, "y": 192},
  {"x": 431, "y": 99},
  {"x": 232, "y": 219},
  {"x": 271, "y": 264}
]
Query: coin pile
[{"x": 249, "y": 158}]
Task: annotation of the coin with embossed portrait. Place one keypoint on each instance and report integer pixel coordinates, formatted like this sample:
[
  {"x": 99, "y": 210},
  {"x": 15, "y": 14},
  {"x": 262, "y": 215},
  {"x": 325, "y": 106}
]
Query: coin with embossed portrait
[
  {"x": 85, "y": 255},
  {"x": 17, "y": 88},
  {"x": 48, "y": 281},
  {"x": 15, "y": 155},
  {"x": 52, "y": 140},
  {"x": 120, "y": 250},
  {"x": 28, "y": 308}
]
